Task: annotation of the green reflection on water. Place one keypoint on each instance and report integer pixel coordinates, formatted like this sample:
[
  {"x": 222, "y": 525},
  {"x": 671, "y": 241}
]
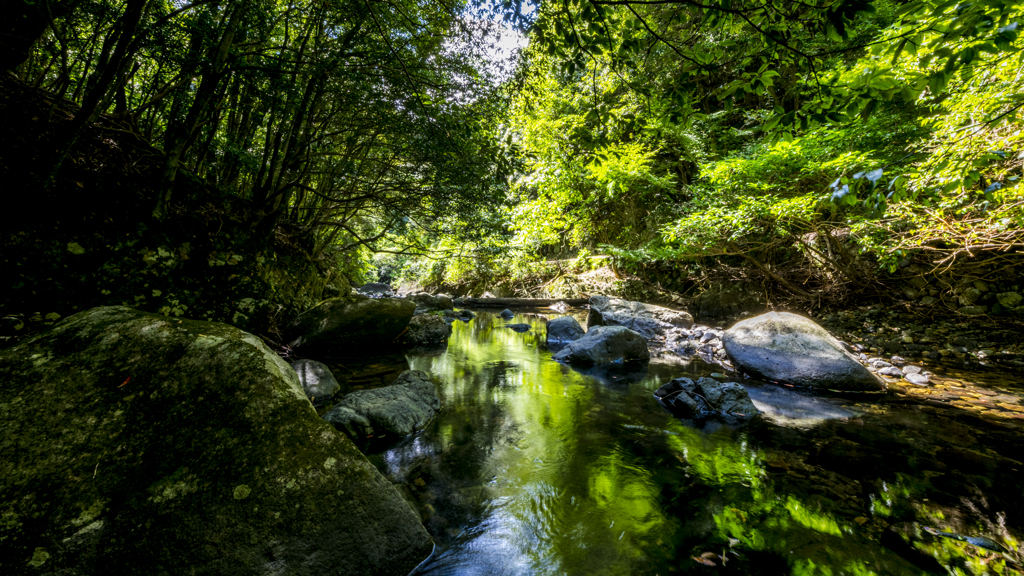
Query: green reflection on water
[{"x": 533, "y": 468}]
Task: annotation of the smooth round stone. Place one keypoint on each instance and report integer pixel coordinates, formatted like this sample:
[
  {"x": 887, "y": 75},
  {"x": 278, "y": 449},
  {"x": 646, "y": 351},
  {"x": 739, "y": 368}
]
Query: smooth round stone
[
  {"x": 915, "y": 378},
  {"x": 891, "y": 371},
  {"x": 911, "y": 369}
]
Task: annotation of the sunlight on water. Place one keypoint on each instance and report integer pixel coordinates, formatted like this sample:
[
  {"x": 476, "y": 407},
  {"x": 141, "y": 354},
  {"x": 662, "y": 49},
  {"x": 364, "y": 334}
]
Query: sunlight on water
[{"x": 534, "y": 468}]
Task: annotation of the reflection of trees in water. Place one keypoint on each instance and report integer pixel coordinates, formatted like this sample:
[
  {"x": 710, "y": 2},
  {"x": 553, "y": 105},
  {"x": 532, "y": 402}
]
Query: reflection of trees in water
[
  {"x": 447, "y": 469},
  {"x": 574, "y": 476}
]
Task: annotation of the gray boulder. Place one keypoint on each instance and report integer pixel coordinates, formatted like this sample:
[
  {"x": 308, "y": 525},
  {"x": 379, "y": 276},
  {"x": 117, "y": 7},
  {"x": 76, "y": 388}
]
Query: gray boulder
[
  {"x": 650, "y": 321},
  {"x": 429, "y": 302},
  {"x": 604, "y": 345},
  {"x": 466, "y": 315},
  {"x": 338, "y": 325},
  {"x": 506, "y": 314},
  {"x": 563, "y": 329},
  {"x": 376, "y": 290},
  {"x": 316, "y": 379},
  {"x": 705, "y": 398},
  {"x": 153, "y": 445},
  {"x": 399, "y": 409},
  {"x": 428, "y": 330},
  {"x": 787, "y": 348},
  {"x": 560, "y": 307}
]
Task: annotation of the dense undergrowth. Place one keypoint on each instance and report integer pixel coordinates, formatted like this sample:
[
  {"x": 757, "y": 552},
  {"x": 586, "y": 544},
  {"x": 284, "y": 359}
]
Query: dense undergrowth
[
  {"x": 88, "y": 241},
  {"x": 813, "y": 184}
]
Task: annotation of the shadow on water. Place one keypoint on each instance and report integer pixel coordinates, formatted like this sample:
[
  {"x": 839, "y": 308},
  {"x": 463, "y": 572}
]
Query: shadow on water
[{"x": 535, "y": 468}]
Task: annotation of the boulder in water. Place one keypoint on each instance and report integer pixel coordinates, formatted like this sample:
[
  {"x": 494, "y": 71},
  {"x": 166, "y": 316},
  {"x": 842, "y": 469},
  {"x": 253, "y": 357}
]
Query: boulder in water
[
  {"x": 560, "y": 307},
  {"x": 336, "y": 326},
  {"x": 563, "y": 329},
  {"x": 316, "y": 379},
  {"x": 705, "y": 398},
  {"x": 518, "y": 327},
  {"x": 650, "y": 321},
  {"x": 506, "y": 314},
  {"x": 604, "y": 345},
  {"x": 399, "y": 409},
  {"x": 429, "y": 302},
  {"x": 376, "y": 290},
  {"x": 155, "y": 445},
  {"x": 428, "y": 331},
  {"x": 787, "y": 348}
]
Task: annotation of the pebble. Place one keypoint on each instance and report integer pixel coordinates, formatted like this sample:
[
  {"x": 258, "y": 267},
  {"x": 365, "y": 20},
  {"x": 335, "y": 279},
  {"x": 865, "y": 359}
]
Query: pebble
[{"x": 916, "y": 378}]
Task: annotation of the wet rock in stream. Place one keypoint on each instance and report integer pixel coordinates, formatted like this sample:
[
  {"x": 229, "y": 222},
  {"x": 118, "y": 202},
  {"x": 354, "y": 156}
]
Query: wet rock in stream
[
  {"x": 563, "y": 329},
  {"x": 785, "y": 347},
  {"x": 605, "y": 345},
  {"x": 350, "y": 322},
  {"x": 427, "y": 331},
  {"x": 316, "y": 379},
  {"x": 399, "y": 409},
  {"x": 648, "y": 320},
  {"x": 705, "y": 398}
]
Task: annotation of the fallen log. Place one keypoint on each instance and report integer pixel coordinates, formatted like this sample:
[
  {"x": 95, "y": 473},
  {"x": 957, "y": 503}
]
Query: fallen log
[{"x": 520, "y": 302}]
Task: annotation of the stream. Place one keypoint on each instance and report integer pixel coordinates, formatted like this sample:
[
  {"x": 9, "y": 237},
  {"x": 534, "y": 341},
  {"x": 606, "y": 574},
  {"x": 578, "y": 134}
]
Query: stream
[{"x": 534, "y": 468}]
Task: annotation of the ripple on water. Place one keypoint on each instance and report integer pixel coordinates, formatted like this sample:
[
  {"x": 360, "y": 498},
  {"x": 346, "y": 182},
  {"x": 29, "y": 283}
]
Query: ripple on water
[{"x": 535, "y": 468}]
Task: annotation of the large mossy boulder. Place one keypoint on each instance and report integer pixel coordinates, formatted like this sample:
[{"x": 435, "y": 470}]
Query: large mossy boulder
[
  {"x": 338, "y": 326},
  {"x": 396, "y": 410},
  {"x": 650, "y": 321},
  {"x": 788, "y": 348},
  {"x": 141, "y": 444},
  {"x": 605, "y": 345}
]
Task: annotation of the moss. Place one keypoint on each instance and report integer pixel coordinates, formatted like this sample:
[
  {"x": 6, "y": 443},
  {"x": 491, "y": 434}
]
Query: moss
[
  {"x": 139, "y": 452},
  {"x": 39, "y": 557}
]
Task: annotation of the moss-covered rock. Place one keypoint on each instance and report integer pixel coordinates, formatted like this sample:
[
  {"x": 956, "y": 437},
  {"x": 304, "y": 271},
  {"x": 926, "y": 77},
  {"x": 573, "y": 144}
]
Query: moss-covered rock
[
  {"x": 141, "y": 444},
  {"x": 352, "y": 322}
]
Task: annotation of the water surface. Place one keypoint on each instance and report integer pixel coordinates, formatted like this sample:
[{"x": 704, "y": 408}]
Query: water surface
[{"x": 534, "y": 468}]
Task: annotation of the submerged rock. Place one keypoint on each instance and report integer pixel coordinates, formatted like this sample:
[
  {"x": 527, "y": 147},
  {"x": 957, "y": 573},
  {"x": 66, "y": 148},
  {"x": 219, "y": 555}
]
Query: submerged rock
[
  {"x": 604, "y": 345},
  {"x": 518, "y": 327},
  {"x": 339, "y": 325},
  {"x": 648, "y": 320},
  {"x": 785, "y": 347},
  {"x": 316, "y": 379},
  {"x": 428, "y": 331},
  {"x": 466, "y": 315},
  {"x": 506, "y": 314},
  {"x": 399, "y": 409},
  {"x": 705, "y": 398},
  {"x": 154, "y": 445},
  {"x": 563, "y": 329},
  {"x": 429, "y": 302}
]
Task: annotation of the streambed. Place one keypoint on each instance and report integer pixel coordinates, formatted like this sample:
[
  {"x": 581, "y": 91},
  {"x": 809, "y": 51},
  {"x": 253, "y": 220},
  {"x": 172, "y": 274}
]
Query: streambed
[{"x": 534, "y": 468}]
